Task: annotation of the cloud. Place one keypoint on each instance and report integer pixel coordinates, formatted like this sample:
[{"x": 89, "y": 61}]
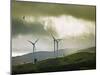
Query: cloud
[
  {"x": 21, "y": 27},
  {"x": 75, "y": 24},
  {"x": 34, "y": 10},
  {"x": 53, "y": 9},
  {"x": 66, "y": 26}
]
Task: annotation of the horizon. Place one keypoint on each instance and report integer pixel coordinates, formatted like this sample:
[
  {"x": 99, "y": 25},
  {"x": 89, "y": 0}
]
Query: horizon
[{"x": 75, "y": 50}]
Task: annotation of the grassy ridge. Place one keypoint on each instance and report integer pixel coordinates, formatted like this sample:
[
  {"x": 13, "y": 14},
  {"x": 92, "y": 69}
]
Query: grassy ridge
[{"x": 77, "y": 61}]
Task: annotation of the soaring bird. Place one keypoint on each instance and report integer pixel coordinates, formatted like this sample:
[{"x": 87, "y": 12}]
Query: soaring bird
[{"x": 23, "y": 17}]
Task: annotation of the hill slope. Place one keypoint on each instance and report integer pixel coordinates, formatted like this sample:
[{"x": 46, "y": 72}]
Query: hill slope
[
  {"x": 77, "y": 61},
  {"x": 90, "y": 50},
  {"x": 43, "y": 55}
]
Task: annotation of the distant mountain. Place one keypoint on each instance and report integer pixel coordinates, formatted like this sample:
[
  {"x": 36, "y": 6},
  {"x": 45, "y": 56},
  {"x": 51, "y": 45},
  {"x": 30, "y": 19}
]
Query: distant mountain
[{"x": 43, "y": 55}]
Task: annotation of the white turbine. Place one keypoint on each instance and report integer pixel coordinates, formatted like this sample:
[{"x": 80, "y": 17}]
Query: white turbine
[
  {"x": 33, "y": 49},
  {"x": 56, "y": 45}
]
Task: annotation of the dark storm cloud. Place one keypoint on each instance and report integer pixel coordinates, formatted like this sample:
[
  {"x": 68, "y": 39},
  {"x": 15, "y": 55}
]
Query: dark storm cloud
[
  {"x": 37, "y": 9},
  {"x": 19, "y": 27},
  {"x": 52, "y": 9}
]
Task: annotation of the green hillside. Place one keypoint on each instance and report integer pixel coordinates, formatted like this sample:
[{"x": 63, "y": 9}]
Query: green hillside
[{"x": 77, "y": 61}]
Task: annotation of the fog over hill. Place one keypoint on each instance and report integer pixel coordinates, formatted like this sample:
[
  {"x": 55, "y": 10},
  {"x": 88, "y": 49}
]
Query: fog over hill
[{"x": 42, "y": 55}]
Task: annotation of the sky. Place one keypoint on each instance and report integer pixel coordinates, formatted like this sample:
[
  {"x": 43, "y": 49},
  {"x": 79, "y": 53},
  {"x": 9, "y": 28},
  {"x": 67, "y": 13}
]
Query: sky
[{"x": 74, "y": 24}]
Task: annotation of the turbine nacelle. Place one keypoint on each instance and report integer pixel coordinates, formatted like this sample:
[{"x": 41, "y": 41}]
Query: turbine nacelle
[{"x": 33, "y": 43}]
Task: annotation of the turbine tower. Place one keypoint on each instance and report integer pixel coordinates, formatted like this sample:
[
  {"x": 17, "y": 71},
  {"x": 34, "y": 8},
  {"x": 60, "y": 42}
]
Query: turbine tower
[
  {"x": 57, "y": 41},
  {"x": 54, "y": 44},
  {"x": 33, "y": 49}
]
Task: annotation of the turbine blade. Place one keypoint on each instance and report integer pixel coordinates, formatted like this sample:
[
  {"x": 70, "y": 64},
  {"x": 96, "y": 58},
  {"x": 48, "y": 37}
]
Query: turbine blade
[
  {"x": 59, "y": 40},
  {"x": 53, "y": 37},
  {"x": 36, "y": 41},
  {"x": 31, "y": 42}
]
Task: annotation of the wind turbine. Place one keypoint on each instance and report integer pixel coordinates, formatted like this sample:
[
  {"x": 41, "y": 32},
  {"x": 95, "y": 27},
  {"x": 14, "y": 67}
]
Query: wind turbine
[
  {"x": 56, "y": 45},
  {"x": 33, "y": 48}
]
